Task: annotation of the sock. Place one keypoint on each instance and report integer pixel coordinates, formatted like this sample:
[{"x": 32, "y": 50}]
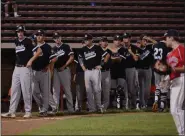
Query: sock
[
  {"x": 15, "y": 14},
  {"x": 162, "y": 105}
]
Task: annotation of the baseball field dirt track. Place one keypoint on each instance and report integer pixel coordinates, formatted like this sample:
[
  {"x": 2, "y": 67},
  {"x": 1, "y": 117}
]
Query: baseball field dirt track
[{"x": 134, "y": 123}]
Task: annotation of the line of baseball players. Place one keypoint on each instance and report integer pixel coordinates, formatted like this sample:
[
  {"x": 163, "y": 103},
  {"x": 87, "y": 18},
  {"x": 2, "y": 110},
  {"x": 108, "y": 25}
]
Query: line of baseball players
[{"x": 99, "y": 67}]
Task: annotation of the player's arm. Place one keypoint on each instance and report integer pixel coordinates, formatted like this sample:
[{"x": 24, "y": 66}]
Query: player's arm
[
  {"x": 150, "y": 39},
  {"x": 178, "y": 69},
  {"x": 70, "y": 60},
  {"x": 135, "y": 57},
  {"x": 35, "y": 56},
  {"x": 81, "y": 61}
]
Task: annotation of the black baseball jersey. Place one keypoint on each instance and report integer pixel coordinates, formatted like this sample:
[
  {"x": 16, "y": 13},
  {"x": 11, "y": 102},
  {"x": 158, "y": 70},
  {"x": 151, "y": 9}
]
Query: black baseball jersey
[
  {"x": 129, "y": 60},
  {"x": 118, "y": 68},
  {"x": 146, "y": 57},
  {"x": 23, "y": 51},
  {"x": 92, "y": 56},
  {"x": 160, "y": 51},
  {"x": 44, "y": 59},
  {"x": 63, "y": 53},
  {"x": 107, "y": 65},
  {"x": 76, "y": 60}
]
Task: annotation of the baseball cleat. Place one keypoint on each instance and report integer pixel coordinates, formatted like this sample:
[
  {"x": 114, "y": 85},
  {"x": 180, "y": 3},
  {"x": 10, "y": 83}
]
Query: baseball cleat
[
  {"x": 155, "y": 107},
  {"x": 8, "y": 115},
  {"x": 43, "y": 114},
  {"x": 27, "y": 115}
]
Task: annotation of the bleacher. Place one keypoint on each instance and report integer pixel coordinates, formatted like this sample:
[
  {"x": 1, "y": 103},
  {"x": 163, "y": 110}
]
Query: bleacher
[{"x": 73, "y": 18}]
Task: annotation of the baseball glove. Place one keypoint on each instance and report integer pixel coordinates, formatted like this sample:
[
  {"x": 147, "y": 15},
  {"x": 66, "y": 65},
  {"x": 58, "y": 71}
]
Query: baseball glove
[
  {"x": 155, "y": 107},
  {"x": 161, "y": 67}
]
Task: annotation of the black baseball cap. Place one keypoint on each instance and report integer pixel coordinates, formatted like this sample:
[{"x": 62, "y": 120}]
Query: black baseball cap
[
  {"x": 126, "y": 35},
  {"x": 40, "y": 32},
  {"x": 88, "y": 37},
  {"x": 104, "y": 38},
  {"x": 20, "y": 28},
  {"x": 56, "y": 35},
  {"x": 117, "y": 37},
  {"x": 171, "y": 33}
]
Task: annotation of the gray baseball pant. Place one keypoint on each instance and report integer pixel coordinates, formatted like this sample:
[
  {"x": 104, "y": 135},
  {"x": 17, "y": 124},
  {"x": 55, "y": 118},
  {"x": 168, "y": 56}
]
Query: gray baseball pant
[
  {"x": 122, "y": 82},
  {"x": 130, "y": 79},
  {"x": 93, "y": 89},
  {"x": 63, "y": 78},
  {"x": 41, "y": 90},
  {"x": 21, "y": 80},
  {"x": 145, "y": 77},
  {"x": 106, "y": 86},
  {"x": 80, "y": 89}
]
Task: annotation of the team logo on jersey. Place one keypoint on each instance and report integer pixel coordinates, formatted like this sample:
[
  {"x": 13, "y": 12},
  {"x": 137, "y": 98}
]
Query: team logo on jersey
[
  {"x": 173, "y": 61},
  {"x": 89, "y": 55},
  {"x": 35, "y": 50},
  {"x": 20, "y": 48},
  {"x": 145, "y": 54},
  {"x": 60, "y": 53}
]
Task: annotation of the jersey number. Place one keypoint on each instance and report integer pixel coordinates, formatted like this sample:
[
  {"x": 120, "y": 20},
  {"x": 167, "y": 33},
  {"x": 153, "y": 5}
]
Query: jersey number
[{"x": 158, "y": 53}]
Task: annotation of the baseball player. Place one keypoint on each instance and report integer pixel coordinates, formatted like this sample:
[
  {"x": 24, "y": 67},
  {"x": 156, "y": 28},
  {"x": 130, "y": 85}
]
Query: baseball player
[
  {"x": 175, "y": 60},
  {"x": 22, "y": 75},
  {"x": 41, "y": 74},
  {"x": 80, "y": 82},
  {"x": 105, "y": 74},
  {"x": 160, "y": 52},
  {"x": 63, "y": 56},
  {"x": 144, "y": 70},
  {"x": 118, "y": 77},
  {"x": 91, "y": 64},
  {"x": 130, "y": 70}
]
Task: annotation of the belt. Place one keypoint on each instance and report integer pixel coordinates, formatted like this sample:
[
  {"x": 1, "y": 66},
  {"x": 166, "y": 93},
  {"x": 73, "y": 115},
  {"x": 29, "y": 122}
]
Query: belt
[
  {"x": 104, "y": 70},
  {"x": 59, "y": 70},
  {"x": 145, "y": 68},
  {"x": 17, "y": 65},
  {"x": 42, "y": 70}
]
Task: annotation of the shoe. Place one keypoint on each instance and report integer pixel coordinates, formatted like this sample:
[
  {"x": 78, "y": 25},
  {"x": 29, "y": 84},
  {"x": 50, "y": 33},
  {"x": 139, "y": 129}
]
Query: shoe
[
  {"x": 100, "y": 110},
  {"x": 8, "y": 115},
  {"x": 137, "y": 106},
  {"x": 78, "y": 110},
  {"x": 161, "y": 109},
  {"x": 155, "y": 107},
  {"x": 17, "y": 15},
  {"x": 43, "y": 114},
  {"x": 27, "y": 115},
  {"x": 53, "y": 112}
]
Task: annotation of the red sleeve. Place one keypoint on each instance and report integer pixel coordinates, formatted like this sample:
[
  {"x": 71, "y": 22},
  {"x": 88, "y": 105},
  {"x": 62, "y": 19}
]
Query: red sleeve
[{"x": 181, "y": 53}]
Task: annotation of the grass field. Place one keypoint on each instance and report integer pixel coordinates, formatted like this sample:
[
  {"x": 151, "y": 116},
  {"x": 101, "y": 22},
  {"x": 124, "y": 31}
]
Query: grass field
[{"x": 141, "y": 123}]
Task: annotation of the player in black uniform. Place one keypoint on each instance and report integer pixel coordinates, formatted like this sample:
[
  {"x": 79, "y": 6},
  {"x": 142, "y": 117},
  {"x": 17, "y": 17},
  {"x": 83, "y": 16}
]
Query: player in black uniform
[
  {"x": 144, "y": 70},
  {"x": 118, "y": 69},
  {"x": 80, "y": 82},
  {"x": 105, "y": 71},
  {"x": 41, "y": 74},
  {"x": 22, "y": 75},
  {"x": 92, "y": 56},
  {"x": 130, "y": 63},
  {"x": 62, "y": 56},
  {"x": 160, "y": 53}
]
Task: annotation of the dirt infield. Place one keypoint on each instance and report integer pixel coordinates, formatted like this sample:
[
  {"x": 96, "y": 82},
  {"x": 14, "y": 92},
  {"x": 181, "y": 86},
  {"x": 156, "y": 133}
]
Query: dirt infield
[{"x": 20, "y": 125}]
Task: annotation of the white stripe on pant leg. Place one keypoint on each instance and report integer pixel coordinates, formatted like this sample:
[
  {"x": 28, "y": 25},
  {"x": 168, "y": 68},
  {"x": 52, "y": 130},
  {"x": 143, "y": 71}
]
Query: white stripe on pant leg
[{"x": 177, "y": 97}]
